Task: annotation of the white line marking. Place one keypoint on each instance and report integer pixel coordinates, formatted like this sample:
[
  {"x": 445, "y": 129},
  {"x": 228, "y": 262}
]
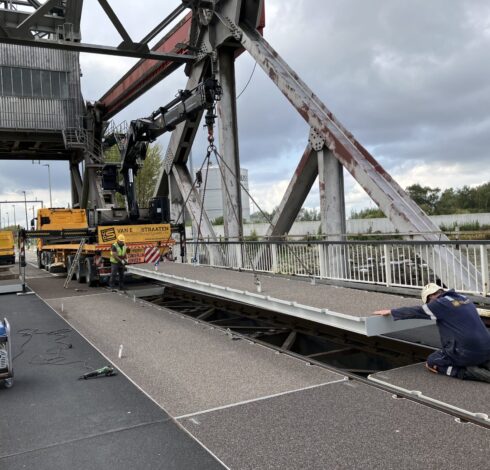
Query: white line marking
[{"x": 252, "y": 400}]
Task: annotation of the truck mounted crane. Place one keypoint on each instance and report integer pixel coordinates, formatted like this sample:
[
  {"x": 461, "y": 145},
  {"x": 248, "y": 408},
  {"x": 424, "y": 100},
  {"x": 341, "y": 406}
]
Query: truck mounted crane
[{"x": 73, "y": 236}]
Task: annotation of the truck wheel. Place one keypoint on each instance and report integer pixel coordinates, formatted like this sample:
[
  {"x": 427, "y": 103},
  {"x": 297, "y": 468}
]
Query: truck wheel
[
  {"x": 91, "y": 272},
  {"x": 80, "y": 271}
]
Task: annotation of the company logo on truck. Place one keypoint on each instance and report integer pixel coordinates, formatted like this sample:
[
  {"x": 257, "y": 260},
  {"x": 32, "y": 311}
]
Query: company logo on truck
[{"x": 107, "y": 234}]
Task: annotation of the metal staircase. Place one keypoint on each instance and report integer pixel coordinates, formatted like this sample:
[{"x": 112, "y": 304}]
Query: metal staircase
[{"x": 76, "y": 138}]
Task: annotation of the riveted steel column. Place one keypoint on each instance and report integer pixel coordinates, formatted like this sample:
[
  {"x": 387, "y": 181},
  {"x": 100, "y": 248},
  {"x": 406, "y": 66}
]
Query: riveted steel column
[
  {"x": 332, "y": 208},
  {"x": 228, "y": 144}
]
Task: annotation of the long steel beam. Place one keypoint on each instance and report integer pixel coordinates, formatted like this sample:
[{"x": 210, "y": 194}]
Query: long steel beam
[
  {"x": 379, "y": 185},
  {"x": 97, "y": 49}
]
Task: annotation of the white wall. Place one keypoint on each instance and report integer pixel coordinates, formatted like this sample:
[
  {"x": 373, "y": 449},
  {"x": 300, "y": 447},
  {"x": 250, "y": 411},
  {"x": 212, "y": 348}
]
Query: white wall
[{"x": 354, "y": 226}]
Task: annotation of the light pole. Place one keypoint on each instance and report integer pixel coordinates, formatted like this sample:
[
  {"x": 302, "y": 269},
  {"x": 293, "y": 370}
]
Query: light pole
[
  {"x": 25, "y": 206},
  {"x": 15, "y": 218},
  {"x": 49, "y": 179},
  {"x": 8, "y": 220}
]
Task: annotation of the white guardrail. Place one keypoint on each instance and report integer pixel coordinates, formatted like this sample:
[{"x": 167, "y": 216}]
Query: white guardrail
[{"x": 390, "y": 263}]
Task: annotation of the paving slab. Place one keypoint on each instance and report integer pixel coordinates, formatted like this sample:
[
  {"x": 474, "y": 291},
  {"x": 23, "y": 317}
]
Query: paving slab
[
  {"x": 184, "y": 365},
  {"x": 349, "y": 309},
  {"x": 468, "y": 396},
  {"x": 340, "y": 426},
  {"x": 52, "y": 420}
]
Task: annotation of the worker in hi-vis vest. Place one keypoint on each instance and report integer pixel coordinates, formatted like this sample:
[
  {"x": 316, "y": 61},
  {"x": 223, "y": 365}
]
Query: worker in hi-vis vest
[{"x": 118, "y": 261}]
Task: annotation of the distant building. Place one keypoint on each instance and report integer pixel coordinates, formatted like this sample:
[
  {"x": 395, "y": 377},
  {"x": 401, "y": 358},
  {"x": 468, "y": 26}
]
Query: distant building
[{"x": 213, "y": 199}]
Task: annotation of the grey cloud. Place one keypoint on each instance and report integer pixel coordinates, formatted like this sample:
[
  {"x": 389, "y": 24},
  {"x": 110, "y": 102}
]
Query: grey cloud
[{"x": 409, "y": 79}]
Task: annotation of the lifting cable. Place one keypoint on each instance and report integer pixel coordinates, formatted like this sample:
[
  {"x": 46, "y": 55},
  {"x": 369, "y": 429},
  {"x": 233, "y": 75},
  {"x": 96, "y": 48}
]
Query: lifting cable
[
  {"x": 266, "y": 217},
  {"x": 210, "y": 119}
]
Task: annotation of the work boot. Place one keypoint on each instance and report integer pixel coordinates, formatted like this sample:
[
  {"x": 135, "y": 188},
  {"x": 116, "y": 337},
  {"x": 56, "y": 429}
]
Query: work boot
[{"x": 476, "y": 373}]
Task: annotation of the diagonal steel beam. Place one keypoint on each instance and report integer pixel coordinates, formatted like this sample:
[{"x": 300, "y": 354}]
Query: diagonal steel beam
[
  {"x": 296, "y": 193},
  {"x": 388, "y": 195},
  {"x": 32, "y": 18},
  {"x": 115, "y": 21}
]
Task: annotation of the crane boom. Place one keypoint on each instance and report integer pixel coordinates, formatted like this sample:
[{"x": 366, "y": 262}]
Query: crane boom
[{"x": 142, "y": 132}]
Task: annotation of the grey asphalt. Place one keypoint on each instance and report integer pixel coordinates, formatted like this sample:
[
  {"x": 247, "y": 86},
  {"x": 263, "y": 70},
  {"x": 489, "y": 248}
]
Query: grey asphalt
[
  {"x": 468, "y": 395},
  {"x": 340, "y": 426},
  {"x": 51, "y": 420},
  {"x": 184, "y": 365}
]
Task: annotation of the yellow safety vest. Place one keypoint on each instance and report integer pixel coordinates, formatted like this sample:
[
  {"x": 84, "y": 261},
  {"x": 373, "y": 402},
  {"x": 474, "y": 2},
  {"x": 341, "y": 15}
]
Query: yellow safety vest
[{"x": 121, "y": 252}]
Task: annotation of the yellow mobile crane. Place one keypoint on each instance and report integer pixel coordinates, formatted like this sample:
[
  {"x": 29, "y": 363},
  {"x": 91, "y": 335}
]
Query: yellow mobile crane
[{"x": 83, "y": 238}]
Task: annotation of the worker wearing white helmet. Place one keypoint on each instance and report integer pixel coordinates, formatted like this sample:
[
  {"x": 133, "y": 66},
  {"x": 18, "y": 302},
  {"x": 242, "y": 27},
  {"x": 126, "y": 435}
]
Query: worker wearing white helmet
[
  {"x": 465, "y": 340},
  {"x": 118, "y": 261}
]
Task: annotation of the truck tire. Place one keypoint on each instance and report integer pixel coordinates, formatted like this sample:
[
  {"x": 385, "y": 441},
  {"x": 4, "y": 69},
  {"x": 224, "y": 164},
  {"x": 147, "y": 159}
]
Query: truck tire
[
  {"x": 91, "y": 272},
  {"x": 80, "y": 272}
]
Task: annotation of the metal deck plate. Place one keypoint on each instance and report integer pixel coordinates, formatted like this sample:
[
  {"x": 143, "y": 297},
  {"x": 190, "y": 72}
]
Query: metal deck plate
[
  {"x": 348, "y": 309},
  {"x": 340, "y": 426},
  {"x": 467, "y": 396}
]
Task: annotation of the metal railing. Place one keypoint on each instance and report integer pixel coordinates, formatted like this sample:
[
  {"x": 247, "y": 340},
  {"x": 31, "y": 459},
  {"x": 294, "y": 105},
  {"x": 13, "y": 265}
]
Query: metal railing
[
  {"x": 78, "y": 138},
  {"x": 389, "y": 263}
]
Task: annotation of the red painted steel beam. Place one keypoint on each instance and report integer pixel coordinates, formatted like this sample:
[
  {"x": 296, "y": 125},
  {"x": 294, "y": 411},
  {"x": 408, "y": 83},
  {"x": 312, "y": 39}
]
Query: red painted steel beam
[{"x": 146, "y": 72}]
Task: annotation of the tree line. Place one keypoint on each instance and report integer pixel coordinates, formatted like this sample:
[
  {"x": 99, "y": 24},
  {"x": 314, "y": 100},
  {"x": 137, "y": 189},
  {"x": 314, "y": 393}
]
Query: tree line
[{"x": 433, "y": 201}]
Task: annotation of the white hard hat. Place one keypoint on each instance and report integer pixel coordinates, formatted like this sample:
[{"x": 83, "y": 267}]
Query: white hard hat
[{"x": 429, "y": 289}]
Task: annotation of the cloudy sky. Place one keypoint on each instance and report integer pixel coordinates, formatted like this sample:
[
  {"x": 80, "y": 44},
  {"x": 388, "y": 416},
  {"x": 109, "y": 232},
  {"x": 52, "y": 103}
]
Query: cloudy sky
[{"x": 410, "y": 79}]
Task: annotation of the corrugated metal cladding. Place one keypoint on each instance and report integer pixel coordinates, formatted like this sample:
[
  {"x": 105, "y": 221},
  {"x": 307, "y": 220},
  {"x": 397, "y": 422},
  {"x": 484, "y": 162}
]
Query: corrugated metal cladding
[{"x": 32, "y": 113}]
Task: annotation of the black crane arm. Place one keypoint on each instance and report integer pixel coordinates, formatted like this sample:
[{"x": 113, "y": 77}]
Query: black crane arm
[{"x": 143, "y": 131}]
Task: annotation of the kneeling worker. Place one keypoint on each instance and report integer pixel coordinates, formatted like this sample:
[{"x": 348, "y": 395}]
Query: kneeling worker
[
  {"x": 465, "y": 352},
  {"x": 118, "y": 261}
]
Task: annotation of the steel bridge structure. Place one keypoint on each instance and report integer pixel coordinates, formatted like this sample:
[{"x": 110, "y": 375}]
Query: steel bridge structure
[{"x": 207, "y": 40}]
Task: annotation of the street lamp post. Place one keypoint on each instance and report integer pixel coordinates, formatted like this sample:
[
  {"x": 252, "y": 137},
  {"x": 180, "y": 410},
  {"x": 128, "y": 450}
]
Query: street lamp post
[
  {"x": 15, "y": 218},
  {"x": 25, "y": 206},
  {"x": 49, "y": 179}
]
